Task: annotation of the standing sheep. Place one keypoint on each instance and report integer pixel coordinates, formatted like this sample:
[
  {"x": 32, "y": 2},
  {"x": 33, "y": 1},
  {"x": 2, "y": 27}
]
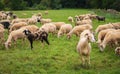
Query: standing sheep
[{"x": 84, "y": 46}]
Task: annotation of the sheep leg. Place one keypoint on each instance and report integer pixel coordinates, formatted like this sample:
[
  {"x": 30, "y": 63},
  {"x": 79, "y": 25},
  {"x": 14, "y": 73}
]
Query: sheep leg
[
  {"x": 46, "y": 40},
  {"x": 88, "y": 60},
  {"x": 31, "y": 42},
  {"x": 83, "y": 60}
]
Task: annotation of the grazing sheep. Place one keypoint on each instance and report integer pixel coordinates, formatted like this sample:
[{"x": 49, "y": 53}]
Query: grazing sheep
[
  {"x": 49, "y": 28},
  {"x": 5, "y": 23},
  {"x": 2, "y": 33},
  {"x": 102, "y": 34},
  {"x": 17, "y": 20},
  {"x": 103, "y": 27},
  {"x": 43, "y": 36},
  {"x": 43, "y": 21},
  {"x": 84, "y": 46},
  {"x": 18, "y": 34},
  {"x": 70, "y": 19},
  {"x": 88, "y": 21},
  {"x": 78, "y": 29},
  {"x": 58, "y": 24},
  {"x": 16, "y": 26},
  {"x": 46, "y": 12},
  {"x": 64, "y": 29},
  {"x": 14, "y": 35},
  {"x": 112, "y": 36},
  {"x": 117, "y": 51},
  {"x": 100, "y": 18}
]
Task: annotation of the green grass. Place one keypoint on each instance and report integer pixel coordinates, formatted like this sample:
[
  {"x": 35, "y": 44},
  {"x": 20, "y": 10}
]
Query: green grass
[{"x": 60, "y": 57}]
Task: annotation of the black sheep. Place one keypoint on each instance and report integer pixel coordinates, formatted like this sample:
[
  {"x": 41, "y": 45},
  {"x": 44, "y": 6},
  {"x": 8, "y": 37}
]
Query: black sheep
[
  {"x": 6, "y": 24},
  {"x": 43, "y": 36},
  {"x": 100, "y": 18}
]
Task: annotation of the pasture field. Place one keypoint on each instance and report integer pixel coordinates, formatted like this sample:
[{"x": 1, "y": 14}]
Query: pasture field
[{"x": 60, "y": 57}]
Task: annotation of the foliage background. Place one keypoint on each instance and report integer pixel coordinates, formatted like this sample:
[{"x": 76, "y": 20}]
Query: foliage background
[{"x": 58, "y": 4}]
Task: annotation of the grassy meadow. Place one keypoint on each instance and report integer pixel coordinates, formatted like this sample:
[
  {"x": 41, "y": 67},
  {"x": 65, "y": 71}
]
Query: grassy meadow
[{"x": 60, "y": 57}]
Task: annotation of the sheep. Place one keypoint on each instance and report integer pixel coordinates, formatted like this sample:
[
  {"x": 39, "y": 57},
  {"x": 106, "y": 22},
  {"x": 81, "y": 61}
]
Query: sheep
[
  {"x": 70, "y": 19},
  {"x": 18, "y": 34},
  {"x": 49, "y": 28},
  {"x": 46, "y": 12},
  {"x": 117, "y": 51},
  {"x": 16, "y": 26},
  {"x": 58, "y": 24},
  {"x": 78, "y": 29},
  {"x": 84, "y": 46},
  {"x": 100, "y": 18},
  {"x": 102, "y": 34},
  {"x": 43, "y": 21},
  {"x": 88, "y": 21},
  {"x": 19, "y": 20},
  {"x": 77, "y": 18},
  {"x": 112, "y": 36},
  {"x": 14, "y": 35},
  {"x": 5, "y": 23},
  {"x": 43, "y": 36},
  {"x": 103, "y": 27},
  {"x": 2, "y": 33},
  {"x": 64, "y": 29},
  {"x": 32, "y": 21}
]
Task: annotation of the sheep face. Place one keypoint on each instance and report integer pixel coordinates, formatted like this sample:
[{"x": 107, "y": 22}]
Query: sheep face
[
  {"x": 59, "y": 34},
  {"x": 91, "y": 37},
  {"x": 7, "y": 45},
  {"x": 117, "y": 51}
]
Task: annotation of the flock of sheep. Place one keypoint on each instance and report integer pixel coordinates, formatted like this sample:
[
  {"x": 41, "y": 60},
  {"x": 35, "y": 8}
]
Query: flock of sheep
[{"x": 21, "y": 28}]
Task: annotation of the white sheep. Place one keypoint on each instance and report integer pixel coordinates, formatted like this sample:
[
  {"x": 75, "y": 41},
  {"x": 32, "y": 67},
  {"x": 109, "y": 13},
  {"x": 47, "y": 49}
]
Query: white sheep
[
  {"x": 43, "y": 21},
  {"x": 70, "y": 19},
  {"x": 16, "y": 26},
  {"x": 112, "y": 36},
  {"x": 84, "y": 46},
  {"x": 48, "y": 27},
  {"x": 78, "y": 29},
  {"x": 2, "y": 33},
  {"x": 64, "y": 29},
  {"x": 58, "y": 24}
]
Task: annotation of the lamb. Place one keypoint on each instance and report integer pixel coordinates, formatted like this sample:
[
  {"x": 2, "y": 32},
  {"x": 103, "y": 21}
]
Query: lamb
[
  {"x": 84, "y": 46},
  {"x": 16, "y": 26},
  {"x": 100, "y": 18},
  {"x": 117, "y": 51},
  {"x": 78, "y": 29},
  {"x": 112, "y": 36},
  {"x": 64, "y": 29},
  {"x": 70, "y": 19},
  {"x": 43, "y": 36}
]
